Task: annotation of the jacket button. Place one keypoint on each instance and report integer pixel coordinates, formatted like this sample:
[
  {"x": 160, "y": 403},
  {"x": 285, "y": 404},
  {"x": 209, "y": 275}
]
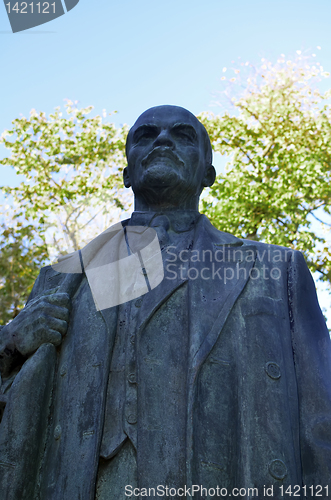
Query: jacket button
[
  {"x": 138, "y": 302},
  {"x": 57, "y": 432},
  {"x": 132, "y": 378},
  {"x": 132, "y": 418},
  {"x": 273, "y": 370},
  {"x": 277, "y": 469}
]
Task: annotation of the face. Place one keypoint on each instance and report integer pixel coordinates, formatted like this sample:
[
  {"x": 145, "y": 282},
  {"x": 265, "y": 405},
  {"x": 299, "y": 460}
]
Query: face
[{"x": 166, "y": 155}]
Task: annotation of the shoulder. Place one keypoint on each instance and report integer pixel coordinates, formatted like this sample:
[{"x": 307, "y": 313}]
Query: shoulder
[
  {"x": 273, "y": 253},
  {"x": 264, "y": 249},
  {"x": 47, "y": 279},
  {"x": 216, "y": 236}
]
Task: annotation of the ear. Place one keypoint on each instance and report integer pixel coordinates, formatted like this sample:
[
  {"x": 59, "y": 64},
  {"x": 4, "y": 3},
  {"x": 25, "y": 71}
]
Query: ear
[
  {"x": 126, "y": 178},
  {"x": 210, "y": 176}
]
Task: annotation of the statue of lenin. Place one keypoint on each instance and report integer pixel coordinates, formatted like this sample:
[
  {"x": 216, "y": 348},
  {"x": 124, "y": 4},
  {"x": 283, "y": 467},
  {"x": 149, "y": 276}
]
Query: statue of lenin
[{"x": 218, "y": 377}]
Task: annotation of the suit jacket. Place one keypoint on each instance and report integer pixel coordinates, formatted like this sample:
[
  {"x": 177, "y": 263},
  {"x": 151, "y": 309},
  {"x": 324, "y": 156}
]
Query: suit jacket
[{"x": 258, "y": 381}]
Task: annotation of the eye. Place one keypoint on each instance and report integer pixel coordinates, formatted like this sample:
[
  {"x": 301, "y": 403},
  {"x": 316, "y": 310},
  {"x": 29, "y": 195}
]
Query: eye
[
  {"x": 186, "y": 134},
  {"x": 144, "y": 134}
]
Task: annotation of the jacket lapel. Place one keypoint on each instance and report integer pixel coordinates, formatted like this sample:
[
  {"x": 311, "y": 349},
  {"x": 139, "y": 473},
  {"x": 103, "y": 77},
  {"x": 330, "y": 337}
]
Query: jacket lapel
[
  {"x": 223, "y": 270},
  {"x": 154, "y": 299}
]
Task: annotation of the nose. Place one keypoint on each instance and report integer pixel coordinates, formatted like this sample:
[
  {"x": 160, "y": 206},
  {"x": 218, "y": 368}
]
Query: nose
[{"x": 164, "y": 139}]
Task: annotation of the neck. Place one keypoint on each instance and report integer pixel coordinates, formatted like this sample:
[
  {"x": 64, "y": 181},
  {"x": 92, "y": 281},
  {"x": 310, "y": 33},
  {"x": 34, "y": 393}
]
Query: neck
[{"x": 142, "y": 205}]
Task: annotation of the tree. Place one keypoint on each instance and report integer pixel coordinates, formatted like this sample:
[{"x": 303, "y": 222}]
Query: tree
[
  {"x": 22, "y": 254},
  {"x": 278, "y": 179},
  {"x": 72, "y": 190}
]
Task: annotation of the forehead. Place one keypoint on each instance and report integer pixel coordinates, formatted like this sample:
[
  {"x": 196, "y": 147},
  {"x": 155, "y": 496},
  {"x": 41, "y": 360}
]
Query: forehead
[{"x": 167, "y": 116}]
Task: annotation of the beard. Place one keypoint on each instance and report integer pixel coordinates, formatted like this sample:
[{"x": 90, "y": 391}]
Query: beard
[
  {"x": 162, "y": 185},
  {"x": 159, "y": 184},
  {"x": 161, "y": 174}
]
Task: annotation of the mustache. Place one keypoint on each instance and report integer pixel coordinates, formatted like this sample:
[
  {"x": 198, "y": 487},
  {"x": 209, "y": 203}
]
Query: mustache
[{"x": 162, "y": 152}]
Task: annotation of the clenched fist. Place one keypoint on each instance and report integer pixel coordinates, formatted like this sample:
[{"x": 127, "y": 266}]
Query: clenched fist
[{"x": 44, "y": 319}]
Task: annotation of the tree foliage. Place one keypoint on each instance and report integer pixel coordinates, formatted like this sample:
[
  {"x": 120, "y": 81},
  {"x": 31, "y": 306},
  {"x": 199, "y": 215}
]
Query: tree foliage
[
  {"x": 22, "y": 254},
  {"x": 72, "y": 190},
  {"x": 277, "y": 183}
]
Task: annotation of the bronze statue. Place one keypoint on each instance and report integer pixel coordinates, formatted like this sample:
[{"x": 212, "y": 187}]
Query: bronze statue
[{"x": 216, "y": 378}]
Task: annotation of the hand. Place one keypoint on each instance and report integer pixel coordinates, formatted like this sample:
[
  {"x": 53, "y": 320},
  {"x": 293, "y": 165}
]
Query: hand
[{"x": 44, "y": 319}]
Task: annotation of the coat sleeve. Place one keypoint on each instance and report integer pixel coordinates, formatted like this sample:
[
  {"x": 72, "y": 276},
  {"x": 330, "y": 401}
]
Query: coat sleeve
[
  {"x": 312, "y": 359},
  {"x": 48, "y": 281},
  {"x": 10, "y": 358}
]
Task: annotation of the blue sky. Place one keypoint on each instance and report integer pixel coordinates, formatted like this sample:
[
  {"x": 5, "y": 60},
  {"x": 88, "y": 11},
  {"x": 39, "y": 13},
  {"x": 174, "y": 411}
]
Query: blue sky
[{"x": 130, "y": 55}]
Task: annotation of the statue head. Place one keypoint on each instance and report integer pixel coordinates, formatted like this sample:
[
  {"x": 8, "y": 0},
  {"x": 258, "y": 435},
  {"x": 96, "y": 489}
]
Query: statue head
[{"x": 169, "y": 159}]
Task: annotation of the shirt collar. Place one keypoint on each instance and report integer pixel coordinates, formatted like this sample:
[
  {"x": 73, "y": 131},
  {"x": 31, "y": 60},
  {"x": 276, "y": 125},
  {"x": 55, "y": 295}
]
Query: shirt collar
[{"x": 176, "y": 220}]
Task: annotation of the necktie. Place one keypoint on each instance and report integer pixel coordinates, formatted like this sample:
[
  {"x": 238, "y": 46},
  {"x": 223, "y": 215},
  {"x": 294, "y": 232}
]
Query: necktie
[
  {"x": 161, "y": 224},
  {"x": 169, "y": 225}
]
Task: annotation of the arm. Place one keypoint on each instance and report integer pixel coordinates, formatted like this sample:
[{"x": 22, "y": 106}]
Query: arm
[
  {"x": 44, "y": 319},
  {"x": 10, "y": 358},
  {"x": 312, "y": 358}
]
